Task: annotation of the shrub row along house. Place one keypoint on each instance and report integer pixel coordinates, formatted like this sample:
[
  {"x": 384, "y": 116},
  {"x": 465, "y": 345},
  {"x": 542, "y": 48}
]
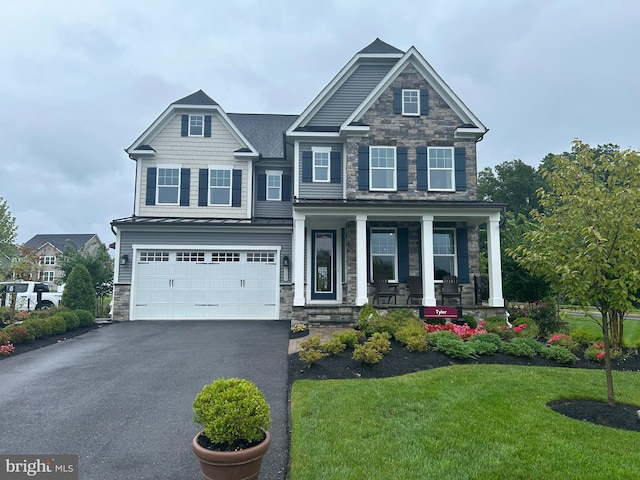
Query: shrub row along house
[{"x": 259, "y": 216}]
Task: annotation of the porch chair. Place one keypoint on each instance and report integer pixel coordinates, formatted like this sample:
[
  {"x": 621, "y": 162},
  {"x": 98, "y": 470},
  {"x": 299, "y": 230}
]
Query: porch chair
[
  {"x": 414, "y": 289},
  {"x": 451, "y": 289},
  {"x": 382, "y": 289}
]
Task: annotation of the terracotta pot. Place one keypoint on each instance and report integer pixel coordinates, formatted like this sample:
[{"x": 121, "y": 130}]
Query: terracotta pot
[{"x": 239, "y": 465}]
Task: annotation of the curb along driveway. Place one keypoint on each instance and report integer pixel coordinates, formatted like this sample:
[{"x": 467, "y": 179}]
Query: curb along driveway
[{"x": 120, "y": 396}]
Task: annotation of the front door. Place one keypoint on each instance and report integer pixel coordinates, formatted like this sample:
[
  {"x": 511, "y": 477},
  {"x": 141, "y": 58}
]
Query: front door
[{"x": 323, "y": 264}]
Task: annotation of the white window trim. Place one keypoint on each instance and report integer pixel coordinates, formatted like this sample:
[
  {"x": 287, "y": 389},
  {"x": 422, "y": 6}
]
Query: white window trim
[
  {"x": 371, "y": 255},
  {"x": 168, "y": 167},
  {"x": 273, "y": 173},
  {"x": 455, "y": 250},
  {"x": 452, "y": 170},
  {"x": 46, "y": 272},
  {"x": 45, "y": 258},
  {"x": 326, "y": 150},
  {"x": 209, "y": 187},
  {"x": 393, "y": 188},
  {"x": 411, "y": 114},
  {"x": 189, "y": 129}
]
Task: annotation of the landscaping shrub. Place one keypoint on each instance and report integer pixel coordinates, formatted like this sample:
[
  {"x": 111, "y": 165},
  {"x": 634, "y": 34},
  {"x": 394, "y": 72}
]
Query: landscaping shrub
[
  {"x": 544, "y": 313},
  {"x": 19, "y": 334},
  {"x": 367, "y": 353},
  {"x": 526, "y": 328},
  {"x": 380, "y": 341},
  {"x": 85, "y": 317},
  {"x": 462, "y": 331},
  {"x": 41, "y": 326},
  {"x": 454, "y": 347},
  {"x": 79, "y": 292},
  {"x": 521, "y": 347},
  {"x": 391, "y": 321},
  {"x": 498, "y": 325},
  {"x": 563, "y": 340},
  {"x": 366, "y": 315},
  {"x": 485, "y": 344},
  {"x": 71, "y": 319},
  {"x": 413, "y": 336},
  {"x": 559, "y": 354},
  {"x": 583, "y": 336},
  {"x": 5, "y": 314},
  {"x": 350, "y": 337},
  {"x": 436, "y": 337},
  {"x": 58, "y": 325},
  {"x": 311, "y": 351},
  {"x": 595, "y": 353},
  {"x": 471, "y": 320},
  {"x": 334, "y": 346}
]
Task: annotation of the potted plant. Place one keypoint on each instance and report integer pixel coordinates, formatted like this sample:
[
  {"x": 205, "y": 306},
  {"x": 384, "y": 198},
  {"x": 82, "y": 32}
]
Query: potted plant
[{"x": 235, "y": 419}]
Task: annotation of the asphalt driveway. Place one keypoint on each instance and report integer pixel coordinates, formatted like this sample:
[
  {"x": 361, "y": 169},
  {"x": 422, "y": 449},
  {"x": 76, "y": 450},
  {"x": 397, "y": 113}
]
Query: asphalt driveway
[{"x": 120, "y": 396}]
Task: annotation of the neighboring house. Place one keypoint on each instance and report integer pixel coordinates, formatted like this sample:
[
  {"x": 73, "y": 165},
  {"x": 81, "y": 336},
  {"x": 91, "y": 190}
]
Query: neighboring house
[
  {"x": 292, "y": 216},
  {"x": 50, "y": 247}
]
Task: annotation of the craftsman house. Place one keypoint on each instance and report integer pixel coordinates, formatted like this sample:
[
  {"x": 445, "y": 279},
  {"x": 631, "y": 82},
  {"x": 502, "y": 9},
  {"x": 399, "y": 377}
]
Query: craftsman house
[{"x": 251, "y": 216}]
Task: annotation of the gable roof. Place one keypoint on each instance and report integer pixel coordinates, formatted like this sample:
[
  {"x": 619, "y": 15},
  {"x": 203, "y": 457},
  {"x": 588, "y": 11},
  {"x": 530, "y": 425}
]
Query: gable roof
[
  {"x": 264, "y": 131},
  {"x": 379, "y": 51},
  {"x": 61, "y": 241},
  {"x": 198, "y": 102}
]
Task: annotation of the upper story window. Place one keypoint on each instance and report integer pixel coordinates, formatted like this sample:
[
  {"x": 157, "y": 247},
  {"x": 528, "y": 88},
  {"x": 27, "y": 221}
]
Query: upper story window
[
  {"x": 321, "y": 164},
  {"x": 382, "y": 171},
  {"x": 274, "y": 185},
  {"x": 411, "y": 102},
  {"x": 168, "y": 185},
  {"x": 196, "y": 125},
  {"x": 220, "y": 186},
  {"x": 384, "y": 254},
  {"x": 441, "y": 172},
  {"x": 444, "y": 252},
  {"x": 48, "y": 260}
]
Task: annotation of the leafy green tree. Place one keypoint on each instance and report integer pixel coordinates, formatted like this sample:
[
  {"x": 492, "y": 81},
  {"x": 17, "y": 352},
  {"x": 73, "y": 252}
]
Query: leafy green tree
[
  {"x": 26, "y": 264},
  {"x": 8, "y": 232},
  {"x": 514, "y": 183},
  {"x": 98, "y": 263},
  {"x": 586, "y": 242},
  {"x": 79, "y": 292}
]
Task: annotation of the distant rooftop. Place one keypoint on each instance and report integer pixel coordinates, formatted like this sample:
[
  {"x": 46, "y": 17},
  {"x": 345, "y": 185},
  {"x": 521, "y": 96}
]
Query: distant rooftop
[{"x": 60, "y": 240}]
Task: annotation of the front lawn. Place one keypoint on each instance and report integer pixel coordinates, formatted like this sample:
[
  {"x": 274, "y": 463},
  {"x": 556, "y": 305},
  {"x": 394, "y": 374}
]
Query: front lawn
[
  {"x": 631, "y": 328},
  {"x": 459, "y": 422}
]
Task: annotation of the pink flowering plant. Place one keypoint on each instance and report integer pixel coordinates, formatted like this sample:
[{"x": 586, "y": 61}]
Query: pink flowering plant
[
  {"x": 563, "y": 340},
  {"x": 6, "y": 350},
  {"x": 462, "y": 331},
  {"x": 595, "y": 353}
]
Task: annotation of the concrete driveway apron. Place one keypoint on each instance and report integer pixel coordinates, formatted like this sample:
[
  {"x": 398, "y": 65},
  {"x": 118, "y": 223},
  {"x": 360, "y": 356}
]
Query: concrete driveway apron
[{"x": 120, "y": 397}]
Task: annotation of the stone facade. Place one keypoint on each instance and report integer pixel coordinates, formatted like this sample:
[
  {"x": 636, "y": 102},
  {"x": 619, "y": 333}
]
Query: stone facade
[{"x": 121, "y": 299}]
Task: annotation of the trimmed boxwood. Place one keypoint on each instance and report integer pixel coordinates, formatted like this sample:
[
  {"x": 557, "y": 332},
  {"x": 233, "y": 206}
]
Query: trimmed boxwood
[
  {"x": 86, "y": 318},
  {"x": 71, "y": 319},
  {"x": 58, "y": 325}
]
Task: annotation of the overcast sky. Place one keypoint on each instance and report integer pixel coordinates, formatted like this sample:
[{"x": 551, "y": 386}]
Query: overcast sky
[{"x": 80, "y": 80}]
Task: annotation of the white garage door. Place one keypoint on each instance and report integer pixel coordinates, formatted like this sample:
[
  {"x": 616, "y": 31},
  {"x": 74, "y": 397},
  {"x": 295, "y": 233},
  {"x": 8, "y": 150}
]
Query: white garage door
[{"x": 176, "y": 285}]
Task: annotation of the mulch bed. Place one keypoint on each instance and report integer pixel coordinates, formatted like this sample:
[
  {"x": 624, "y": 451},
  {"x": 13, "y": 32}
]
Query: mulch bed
[{"x": 400, "y": 361}]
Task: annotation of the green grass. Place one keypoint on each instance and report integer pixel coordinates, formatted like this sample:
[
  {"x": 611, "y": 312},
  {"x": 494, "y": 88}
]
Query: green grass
[
  {"x": 631, "y": 328},
  {"x": 461, "y": 422}
]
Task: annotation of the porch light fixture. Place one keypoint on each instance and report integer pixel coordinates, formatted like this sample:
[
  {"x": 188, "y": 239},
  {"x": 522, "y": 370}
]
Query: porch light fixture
[
  {"x": 285, "y": 268},
  {"x": 124, "y": 259},
  {"x": 285, "y": 261}
]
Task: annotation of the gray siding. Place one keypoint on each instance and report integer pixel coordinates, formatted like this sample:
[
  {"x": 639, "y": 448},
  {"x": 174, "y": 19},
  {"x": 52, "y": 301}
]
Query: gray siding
[
  {"x": 350, "y": 94},
  {"x": 321, "y": 190},
  {"x": 177, "y": 238},
  {"x": 272, "y": 209}
]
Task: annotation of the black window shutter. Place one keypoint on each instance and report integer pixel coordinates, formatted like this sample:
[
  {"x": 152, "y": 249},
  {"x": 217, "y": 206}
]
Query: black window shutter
[
  {"x": 461, "y": 169},
  {"x": 463, "y": 254},
  {"x": 424, "y": 102},
  {"x": 203, "y": 187},
  {"x": 151, "y": 186},
  {"x": 336, "y": 166},
  {"x": 185, "y": 179},
  {"x": 286, "y": 188},
  {"x": 207, "y": 125},
  {"x": 403, "y": 254},
  {"x": 262, "y": 188},
  {"x": 421, "y": 166},
  {"x": 236, "y": 189},
  {"x": 307, "y": 167},
  {"x": 397, "y": 100},
  {"x": 403, "y": 174},
  {"x": 185, "y": 126},
  {"x": 363, "y": 167}
]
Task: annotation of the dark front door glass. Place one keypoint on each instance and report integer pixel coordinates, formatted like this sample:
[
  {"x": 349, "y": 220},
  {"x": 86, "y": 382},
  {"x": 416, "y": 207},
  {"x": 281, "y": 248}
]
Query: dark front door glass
[{"x": 324, "y": 247}]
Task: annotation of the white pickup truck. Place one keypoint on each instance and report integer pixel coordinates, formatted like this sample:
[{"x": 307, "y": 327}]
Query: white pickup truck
[{"x": 28, "y": 295}]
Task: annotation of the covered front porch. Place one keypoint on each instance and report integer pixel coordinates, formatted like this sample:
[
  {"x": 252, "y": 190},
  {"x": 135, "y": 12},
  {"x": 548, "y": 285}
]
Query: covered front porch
[{"x": 339, "y": 250}]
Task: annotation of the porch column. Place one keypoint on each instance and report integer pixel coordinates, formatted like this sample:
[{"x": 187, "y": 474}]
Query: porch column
[
  {"x": 361, "y": 260},
  {"x": 495, "y": 267},
  {"x": 428, "y": 277},
  {"x": 298, "y": 260}
]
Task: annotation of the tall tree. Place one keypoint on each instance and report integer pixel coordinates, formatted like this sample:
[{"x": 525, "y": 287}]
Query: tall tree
[
  {"x": 514, "y": 183},
  {"x": 8, "y": 230},
  {"x": 98, "y": 263},
  {"x": 586, "y": 243}
]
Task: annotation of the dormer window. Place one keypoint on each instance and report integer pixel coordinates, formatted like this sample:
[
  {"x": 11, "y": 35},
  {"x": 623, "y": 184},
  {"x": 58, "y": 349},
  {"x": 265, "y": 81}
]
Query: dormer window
[
  {"x": 411, "y": 102},
  {"x": 196, "y": 125}
]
